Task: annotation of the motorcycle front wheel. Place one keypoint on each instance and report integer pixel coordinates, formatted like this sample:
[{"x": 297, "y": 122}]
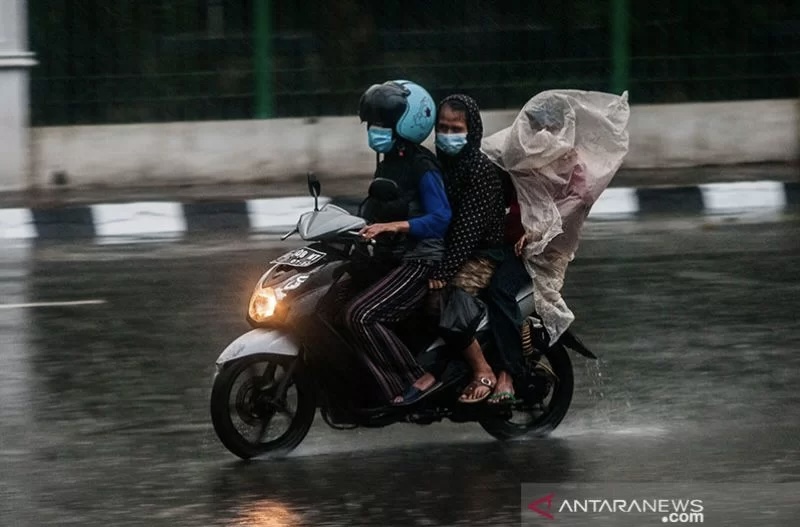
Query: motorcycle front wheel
[
  {"x": 262, "y": 405},
  {"x": 545, "y": 402}
]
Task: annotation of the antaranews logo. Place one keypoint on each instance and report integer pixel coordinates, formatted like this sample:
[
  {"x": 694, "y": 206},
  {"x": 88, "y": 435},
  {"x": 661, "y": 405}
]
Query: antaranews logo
[
  {"x": 536, "y": 506},
  {"x": 653, "y": 504},
  {"x": 671, "y": 510}
]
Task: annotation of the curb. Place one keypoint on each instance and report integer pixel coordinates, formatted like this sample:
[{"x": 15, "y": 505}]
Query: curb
[{"x": 278, "y": 215}]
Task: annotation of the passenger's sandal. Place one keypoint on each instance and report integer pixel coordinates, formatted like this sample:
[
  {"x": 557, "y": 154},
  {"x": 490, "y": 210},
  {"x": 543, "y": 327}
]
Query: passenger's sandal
[{"x": 474, "y": 385}]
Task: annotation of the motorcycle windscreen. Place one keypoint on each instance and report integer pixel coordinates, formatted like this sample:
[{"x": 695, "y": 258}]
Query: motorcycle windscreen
[{"x": 327, "y": 222}]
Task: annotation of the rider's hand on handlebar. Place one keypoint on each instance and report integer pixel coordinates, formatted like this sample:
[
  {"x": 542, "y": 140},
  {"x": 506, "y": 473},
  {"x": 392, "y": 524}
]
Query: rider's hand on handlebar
[{"x": 371, "y": 231}]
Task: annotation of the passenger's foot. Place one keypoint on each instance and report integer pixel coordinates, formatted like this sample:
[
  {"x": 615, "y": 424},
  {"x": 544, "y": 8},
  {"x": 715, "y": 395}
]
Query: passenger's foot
[
  {"x": 479, "y": 389},
  {"x": 423, "y": 386},
  {"x": 504, "y": 392}
]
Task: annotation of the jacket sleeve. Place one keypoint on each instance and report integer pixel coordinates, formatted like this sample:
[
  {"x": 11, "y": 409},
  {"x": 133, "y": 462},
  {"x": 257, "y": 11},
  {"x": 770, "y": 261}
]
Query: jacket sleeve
[
  {"x": 469, "y": 226},
  {"x": 436, "y": 220}
]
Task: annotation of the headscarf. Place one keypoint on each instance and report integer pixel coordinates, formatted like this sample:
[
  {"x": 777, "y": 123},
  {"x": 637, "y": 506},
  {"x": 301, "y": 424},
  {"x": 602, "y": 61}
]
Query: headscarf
[
  {"x": 475, "y": 193},
  {"x": 561, "y": 151},
  {"x": 471, "y": 161}
]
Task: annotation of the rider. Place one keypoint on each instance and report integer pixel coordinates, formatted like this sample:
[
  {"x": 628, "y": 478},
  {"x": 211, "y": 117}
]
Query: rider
[{"x": 408, "y": 225}]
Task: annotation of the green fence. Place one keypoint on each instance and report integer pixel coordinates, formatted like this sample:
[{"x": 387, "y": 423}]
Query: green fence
[{"x": 126, "y": 61}]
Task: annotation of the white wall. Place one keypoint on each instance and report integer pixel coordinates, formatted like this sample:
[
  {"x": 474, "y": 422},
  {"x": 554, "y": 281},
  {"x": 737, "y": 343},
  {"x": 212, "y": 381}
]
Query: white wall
[
  {"x": 14, "y": 64},
  {"x": 662, "y": 136},
  {"x": 13, "y": 126},
  {"x": 720, "y": 133}
]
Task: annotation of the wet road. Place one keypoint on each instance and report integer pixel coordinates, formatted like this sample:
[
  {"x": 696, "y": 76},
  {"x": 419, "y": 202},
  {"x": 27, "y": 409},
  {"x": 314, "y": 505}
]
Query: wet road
[{"x": 103, "y": 406}]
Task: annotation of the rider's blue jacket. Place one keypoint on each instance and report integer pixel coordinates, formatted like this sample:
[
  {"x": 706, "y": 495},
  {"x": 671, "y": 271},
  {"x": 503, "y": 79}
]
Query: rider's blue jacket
[{"x": 422, "y": 201}]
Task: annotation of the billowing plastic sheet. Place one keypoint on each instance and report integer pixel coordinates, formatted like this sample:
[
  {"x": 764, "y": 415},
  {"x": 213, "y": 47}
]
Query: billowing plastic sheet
[{"x": 561, "y": 151}]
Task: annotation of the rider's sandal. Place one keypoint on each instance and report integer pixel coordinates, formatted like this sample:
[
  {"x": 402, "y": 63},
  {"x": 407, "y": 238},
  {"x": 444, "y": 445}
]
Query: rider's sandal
[
  {"x": 414, "y": 394},
  {"x": 502, "y": 398},
  {"x": 474, "y": 385}
]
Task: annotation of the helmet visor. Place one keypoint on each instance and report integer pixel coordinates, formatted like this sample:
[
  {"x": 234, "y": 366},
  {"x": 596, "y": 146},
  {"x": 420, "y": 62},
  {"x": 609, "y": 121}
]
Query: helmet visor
[{"x": 383, "y": 104}]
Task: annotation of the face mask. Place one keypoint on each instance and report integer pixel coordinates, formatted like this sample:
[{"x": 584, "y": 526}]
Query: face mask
[
  {"x": 380, "y": 139},
  {"x": 451, "y": 144}
]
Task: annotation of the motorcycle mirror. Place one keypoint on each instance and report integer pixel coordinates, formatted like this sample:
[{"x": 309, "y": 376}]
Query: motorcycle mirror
[{"x": 314, "y": 188}]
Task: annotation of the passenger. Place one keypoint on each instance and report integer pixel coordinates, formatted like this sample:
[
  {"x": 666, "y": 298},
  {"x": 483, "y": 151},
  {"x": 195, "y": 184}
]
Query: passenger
[
  {"x": 476, "y": 233},
  {"x": 505, "y": 317},
  {"x": 409, "y": 229},
  {"x": 560, "y": 153}
]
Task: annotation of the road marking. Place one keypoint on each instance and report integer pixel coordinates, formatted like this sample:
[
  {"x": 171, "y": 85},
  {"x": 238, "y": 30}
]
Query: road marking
[
  {"x": 53, "y": 304},
  {"x": 138, "y": 218},
  {"x": 17, "y": 223},
  {"x": 616, "y": 201},
  {"x": 743, "y": 195}
]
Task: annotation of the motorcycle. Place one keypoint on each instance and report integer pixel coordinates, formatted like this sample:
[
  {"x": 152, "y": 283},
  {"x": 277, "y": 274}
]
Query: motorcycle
[{"x": 270, "y": 381}]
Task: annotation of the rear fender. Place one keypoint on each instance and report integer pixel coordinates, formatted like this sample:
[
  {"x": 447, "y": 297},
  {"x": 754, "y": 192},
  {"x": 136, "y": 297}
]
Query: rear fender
[
  {"x": 258, "y": 341},
  {"x": 571, "y": 341}
]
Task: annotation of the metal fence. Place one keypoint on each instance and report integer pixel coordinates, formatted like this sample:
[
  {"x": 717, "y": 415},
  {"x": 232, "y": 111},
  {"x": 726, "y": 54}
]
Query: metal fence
[{"x": 166, "y": 60}]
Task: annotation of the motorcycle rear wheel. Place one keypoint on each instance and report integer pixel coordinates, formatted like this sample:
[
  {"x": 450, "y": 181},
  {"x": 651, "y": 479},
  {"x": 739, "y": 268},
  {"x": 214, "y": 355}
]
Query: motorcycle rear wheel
[
  {"x": 552, "y": 409},
  {"x": 245, "y": 398}
]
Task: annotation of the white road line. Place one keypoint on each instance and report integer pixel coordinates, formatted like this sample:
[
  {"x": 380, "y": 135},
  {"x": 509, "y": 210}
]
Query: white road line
[
  {"x": 138, "y": 218},
  {"x": 53, "y": 304},
  {"x": 616, "y": 201},
  {"x": 17, "y": 223},
  {"x": 743, "y": 195}
]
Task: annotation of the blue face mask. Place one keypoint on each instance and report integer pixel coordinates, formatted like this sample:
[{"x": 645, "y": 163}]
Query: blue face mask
[
  {"x": 451, "y": 144},
  {"x": 380, "y": 139}
]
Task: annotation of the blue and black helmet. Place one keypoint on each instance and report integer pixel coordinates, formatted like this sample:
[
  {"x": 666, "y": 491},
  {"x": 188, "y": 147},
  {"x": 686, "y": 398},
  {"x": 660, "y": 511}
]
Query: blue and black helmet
[{"x": 401, "y": 105}]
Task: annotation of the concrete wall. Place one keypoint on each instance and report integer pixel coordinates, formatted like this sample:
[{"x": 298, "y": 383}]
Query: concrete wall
[
  {"x": 14, "y": 64},
  {"x": 205, "y": 152},
  {"x": 13, "y": 126},
  {"x": 681, "y": 135}
]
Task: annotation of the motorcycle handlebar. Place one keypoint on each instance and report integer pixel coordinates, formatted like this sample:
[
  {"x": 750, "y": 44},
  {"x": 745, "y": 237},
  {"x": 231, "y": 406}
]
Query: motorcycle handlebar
[
  {"x": 359, "y": 238},
  {"x": 351, "y": 235}
]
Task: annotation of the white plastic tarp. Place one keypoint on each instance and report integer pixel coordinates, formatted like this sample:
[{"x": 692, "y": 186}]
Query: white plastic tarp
[{"x": 561, "y": 151}]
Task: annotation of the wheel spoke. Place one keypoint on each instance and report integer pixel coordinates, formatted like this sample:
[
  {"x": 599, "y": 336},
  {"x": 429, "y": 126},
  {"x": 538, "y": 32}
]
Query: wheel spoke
[
  {"x": 254, "y": 372},
  {"x": 263, "y": 373},
  {"x": 286, "y": 409},
  {"x": 263, "y": 430},
  {"x": 268, "y": 376},
  {"x": 286, "y": 378},
  {"x": 279, "y": 388}
]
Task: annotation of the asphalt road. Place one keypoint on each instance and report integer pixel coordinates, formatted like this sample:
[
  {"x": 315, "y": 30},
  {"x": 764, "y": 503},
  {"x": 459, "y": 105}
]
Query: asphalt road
[{"x": 104, "y": 403}]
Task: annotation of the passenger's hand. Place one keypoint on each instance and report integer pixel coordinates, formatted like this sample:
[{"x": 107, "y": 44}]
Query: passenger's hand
[
  {"x": 436, "y": 284},
  {"x": 520, "y": 245},
  {"x": 371, "y": 231}
]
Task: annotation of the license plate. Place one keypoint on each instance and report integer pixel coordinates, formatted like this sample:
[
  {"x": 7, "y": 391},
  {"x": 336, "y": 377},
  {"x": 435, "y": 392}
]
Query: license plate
[{"x": 300, "y": 258}]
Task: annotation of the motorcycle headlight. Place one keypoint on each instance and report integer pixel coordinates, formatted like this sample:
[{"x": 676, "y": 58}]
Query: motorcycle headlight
[{"x": 264, "y": 303}]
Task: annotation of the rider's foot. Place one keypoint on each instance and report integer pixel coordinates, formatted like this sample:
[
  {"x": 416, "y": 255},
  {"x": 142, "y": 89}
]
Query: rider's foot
[
  {"x": 480, "y": 388},
  {"x": 422, "y": 384},
  {"x": 504, "y": 391}
]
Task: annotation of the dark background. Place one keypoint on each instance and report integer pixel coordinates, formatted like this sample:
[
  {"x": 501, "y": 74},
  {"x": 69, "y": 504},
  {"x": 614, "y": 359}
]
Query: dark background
[{"x": 167, "y": 60}]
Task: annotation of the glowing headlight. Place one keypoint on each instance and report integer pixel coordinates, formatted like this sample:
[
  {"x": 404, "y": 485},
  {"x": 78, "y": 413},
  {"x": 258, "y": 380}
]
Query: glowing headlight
[{"x": 263, "y": 303}]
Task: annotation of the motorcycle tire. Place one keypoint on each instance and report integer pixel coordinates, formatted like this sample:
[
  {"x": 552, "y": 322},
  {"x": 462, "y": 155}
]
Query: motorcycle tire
[
  {"x": 502, "y": 428},
  {"x": 221, "y": 408}
]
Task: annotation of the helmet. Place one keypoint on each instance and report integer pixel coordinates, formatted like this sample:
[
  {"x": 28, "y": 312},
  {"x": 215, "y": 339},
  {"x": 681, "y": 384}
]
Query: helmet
[{"x": 401, "y": 105}]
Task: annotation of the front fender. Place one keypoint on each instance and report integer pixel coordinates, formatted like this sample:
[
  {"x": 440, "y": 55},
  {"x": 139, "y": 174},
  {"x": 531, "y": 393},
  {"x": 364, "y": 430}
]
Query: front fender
[{"x": 257, "y": 341}]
